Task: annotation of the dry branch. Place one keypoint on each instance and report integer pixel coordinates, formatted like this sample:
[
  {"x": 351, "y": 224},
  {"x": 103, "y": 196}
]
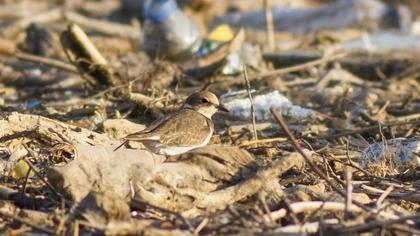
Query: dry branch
[
  {"x": 300, "y": 207},
  {"x": 311, "y": 228},
  {"x": 414, "y": 122},
  {"x": 83, "y": 54},
  {"x": 410, "y": 196},
  {"x": 269, "y": 24},
  {"x": 104, "y": 27},
  {"x": 297, "y": 67},
  {"x": 283, "y": 125},
  {"x": 46, "y": 61},
  {"x": 44, "y": 17}
]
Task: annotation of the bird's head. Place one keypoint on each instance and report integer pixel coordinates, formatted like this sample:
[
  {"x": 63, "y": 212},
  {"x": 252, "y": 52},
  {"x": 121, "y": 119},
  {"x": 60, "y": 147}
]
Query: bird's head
[{"x": 204, "y": 102}]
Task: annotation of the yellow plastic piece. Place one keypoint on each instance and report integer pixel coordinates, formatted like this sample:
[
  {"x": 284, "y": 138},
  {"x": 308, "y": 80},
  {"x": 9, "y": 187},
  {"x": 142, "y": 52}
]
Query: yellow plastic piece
[
  {"x": 222, "y": 33},
  {"x": 21, "y": 170}
]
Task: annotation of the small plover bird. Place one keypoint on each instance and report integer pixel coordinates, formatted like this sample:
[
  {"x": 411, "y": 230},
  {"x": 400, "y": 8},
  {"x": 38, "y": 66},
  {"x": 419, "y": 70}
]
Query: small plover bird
[{"x": 187, "y": 128}]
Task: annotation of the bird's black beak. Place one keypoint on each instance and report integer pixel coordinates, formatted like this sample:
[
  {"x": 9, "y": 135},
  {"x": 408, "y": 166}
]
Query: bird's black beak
[{"x": 222, "y": 107}]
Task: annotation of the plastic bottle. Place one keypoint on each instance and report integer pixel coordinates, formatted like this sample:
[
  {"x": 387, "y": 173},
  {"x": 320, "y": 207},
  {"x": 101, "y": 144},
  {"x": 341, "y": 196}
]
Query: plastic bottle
[{"x": 168, "y": 33}]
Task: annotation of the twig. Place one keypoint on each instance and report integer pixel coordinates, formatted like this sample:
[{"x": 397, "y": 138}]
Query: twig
[
  {"x": 405, "y": 228},
  {"x": 369, "y": 128},
  {"x": 27, "y": 222},
  {"x": 349, "y": 190},
  {"x": 46, "y": 61},
  {"x": 85, "y": 56},
  {"x": 43, "y": 17},
  {"x": 251, "y": 100},
  {"x": 26, "y": 180},
  {"x": 24, "y": 133},
  {"x": 261, "y": 141},
  {"x": 269, "y": 24},
  {"x": 291, "y": 211},
  {"x": 201, "y": 226},
  {"x": 307, "y": 228},
  {"x": 35, "y": 170},
  {"x": 297, "y": 67},
  {"x": 375, "y": 224},
  {"x": 105, "y": 27},
  {"x": 299, "y": 207},
  {"x": 362, "y": 170},
  {"x": 383, "y": 196},
  {"x": 297, "y": 146},
  {"x": 413, "y": 197},
  {"x": 16, "y": 10},
  {"x": 261, "y": 198}
]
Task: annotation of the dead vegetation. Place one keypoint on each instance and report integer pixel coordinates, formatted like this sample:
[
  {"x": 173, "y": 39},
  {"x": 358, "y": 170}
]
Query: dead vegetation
[{"x": 339, "y": 155}]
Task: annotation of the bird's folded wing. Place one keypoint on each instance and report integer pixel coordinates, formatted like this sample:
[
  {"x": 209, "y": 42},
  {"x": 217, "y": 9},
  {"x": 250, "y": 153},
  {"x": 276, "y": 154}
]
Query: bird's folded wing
[
  {"x": 189, "y": 129},
  {"x": 185, "y": 127},
  {"x": 149, "y": 132}
]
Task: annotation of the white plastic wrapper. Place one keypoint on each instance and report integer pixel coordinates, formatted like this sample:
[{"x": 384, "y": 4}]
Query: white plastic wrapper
[
  {"x": 263, "y": 102},
  {"x": 400, "y": 150}
]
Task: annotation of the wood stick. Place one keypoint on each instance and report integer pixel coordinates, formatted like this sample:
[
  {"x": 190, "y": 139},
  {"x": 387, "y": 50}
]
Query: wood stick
[
  {"x": 383, "y": 196},
  {"x": 83, "y": 54},
  {"x": 299, "y": 207},
  {"x": 369, "y": 128},
  {"x": 261, "y": 141},
  {"x": 349, "y": 191},
  {"x": 105, "y": 27},
  {"x": 85, "y": 42},
  {"x": 46, "y": 61},
  {"x": 307, "y": 228},
  {"x": 43, "y": 17},
  {"x": 248, "y": 89},
  {"x": 297, "y": 146},
  {"x": 34, "y": 169},
  {"x": 303, "y": 66},
  {"x": 269, "y": 24},
  {"x": 374, "y": 224},
  {"x": 413, "y": 197}
]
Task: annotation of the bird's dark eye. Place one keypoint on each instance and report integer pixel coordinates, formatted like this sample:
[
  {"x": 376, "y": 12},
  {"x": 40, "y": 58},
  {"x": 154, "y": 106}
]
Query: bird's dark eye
[{"x": 204, "y": 100}]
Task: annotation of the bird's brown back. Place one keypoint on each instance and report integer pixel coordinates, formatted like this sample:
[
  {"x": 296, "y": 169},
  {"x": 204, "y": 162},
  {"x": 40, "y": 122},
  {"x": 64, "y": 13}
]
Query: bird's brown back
[{"x": 184, "y": 127}]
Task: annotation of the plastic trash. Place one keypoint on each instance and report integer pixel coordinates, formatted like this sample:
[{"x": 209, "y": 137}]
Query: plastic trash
[
  {"x": 239, "y": 104},
  {"x": 233, "y": 65},
  {"x": 248, "y": 54},
  {"x": 32, "y": 104},
  {"x": 217, "y": 37},
  {"x": 338, "y": 15},
  {"x": 400, "y": 151},
  {"x": 385, "y": 41},
  {"x": 222, "y": 33},
  {"x": 168, "y": 32}
]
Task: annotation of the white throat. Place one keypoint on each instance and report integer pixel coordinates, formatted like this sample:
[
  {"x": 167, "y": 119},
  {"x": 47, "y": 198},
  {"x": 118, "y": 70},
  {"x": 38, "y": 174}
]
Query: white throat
[{"x": 205, "y": 111}]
